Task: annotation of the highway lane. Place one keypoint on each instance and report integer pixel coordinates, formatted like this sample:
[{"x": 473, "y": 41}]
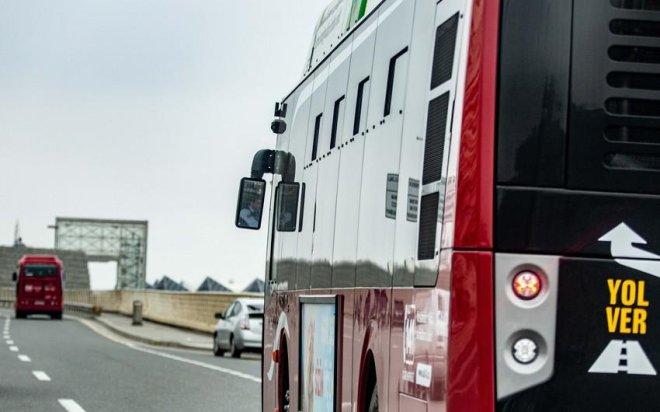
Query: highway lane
[{"x": 53, "y": 365}]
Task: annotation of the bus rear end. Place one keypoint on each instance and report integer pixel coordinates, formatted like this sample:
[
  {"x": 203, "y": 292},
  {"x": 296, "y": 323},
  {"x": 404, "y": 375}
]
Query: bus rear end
[
  {"x": 39, "y": 286},
  {"x": 576, "y": 228}
]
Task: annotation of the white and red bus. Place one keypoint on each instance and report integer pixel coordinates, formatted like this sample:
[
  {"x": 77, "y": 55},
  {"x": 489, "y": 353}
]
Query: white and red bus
[{"x": 466, "y": 210}]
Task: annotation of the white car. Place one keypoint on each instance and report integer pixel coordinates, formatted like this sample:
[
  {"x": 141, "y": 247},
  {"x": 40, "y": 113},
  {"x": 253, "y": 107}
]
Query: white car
[{"x": 239, "y": 328}]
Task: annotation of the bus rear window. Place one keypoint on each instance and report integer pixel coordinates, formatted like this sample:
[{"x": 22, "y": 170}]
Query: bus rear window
[{"x": 39, "y": 271}]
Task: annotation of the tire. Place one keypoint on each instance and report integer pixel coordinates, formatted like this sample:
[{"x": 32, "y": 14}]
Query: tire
[
  {"x": 373, "y": 403},
  {"x": 20, "y": 315},
  {"x": 216, "y": 347},
  {"x": 234, "y": 351},
  {"x": 56, "y": 316}
]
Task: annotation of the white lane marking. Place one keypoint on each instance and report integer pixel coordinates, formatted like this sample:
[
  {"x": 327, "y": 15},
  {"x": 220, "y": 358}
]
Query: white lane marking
[
  {"x": 13, "y": 348},
  {"x": 41, "y": 375},
  {"x": 10, "y": 342},
  {"x": 70, "y": 405},
  {"x": 113, "y": 338},
  {"x": 24, "y": 358},
  {"x": 196, "y": 363}
]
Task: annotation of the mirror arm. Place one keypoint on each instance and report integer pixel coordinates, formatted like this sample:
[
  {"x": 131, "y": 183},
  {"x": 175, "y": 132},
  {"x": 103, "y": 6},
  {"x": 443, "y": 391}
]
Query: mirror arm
[{"x": 275, "y": 162}]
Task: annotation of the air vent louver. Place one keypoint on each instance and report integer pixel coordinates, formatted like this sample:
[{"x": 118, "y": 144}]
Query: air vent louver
[
  {"x": 615, "y": 118},
  {"x": 428, "y": 226},
  {"x": 435, "y": 139}
]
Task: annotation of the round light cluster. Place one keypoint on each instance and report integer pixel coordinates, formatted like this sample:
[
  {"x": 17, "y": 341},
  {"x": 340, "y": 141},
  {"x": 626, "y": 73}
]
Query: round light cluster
[
  {"x": 525, "y": 351},
  {"x": 527, "y": 285}
]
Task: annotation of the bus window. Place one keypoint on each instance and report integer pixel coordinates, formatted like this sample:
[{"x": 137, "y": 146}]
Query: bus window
[
  {"x": 335, "y": 120},
  {"x": 317, "y": 130},
  {"x": 359, "y": 106},
  {"x": 391, "y": 81}
]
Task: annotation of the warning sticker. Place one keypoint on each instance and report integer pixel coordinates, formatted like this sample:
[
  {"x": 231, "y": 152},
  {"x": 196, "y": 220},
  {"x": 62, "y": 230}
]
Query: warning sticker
[
  {"x": 627, "y": 310},
  {"x": 623, "y": 356},
  {"x": 391, "y": 194},
  {"x": 413, "y": 200},
  {"x": 626, "y": 314}
]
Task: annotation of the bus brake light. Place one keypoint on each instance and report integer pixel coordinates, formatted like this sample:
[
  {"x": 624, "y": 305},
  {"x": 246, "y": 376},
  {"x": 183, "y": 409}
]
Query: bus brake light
[{"x": 527, "y": 285}]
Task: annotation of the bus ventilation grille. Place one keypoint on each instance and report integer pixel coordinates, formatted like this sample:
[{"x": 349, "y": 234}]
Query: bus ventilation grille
[
  {"x": 428, "y": 225},
  {"x": 633, "y": 102},
  {"x": 434, "y": 146}
]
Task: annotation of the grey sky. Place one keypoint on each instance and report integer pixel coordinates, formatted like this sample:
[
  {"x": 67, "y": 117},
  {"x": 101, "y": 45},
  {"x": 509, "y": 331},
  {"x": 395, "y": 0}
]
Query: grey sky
[{"x": 147, "y": 109}]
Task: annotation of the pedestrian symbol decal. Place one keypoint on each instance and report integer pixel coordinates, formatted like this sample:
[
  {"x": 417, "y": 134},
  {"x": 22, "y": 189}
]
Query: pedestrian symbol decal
[{"x": 623, "y": 356}]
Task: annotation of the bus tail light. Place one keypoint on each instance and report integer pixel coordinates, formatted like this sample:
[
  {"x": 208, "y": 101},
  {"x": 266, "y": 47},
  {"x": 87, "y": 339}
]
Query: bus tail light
[
  {"x": 527, "y": 285},
  {"x": 525, "y": 351}
]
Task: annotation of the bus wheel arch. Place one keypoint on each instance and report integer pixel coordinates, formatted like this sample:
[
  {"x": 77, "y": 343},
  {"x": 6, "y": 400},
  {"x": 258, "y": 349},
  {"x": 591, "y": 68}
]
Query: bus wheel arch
[
  {"x": 368, "y": 384},
  {"x": 283, "y": 377}
]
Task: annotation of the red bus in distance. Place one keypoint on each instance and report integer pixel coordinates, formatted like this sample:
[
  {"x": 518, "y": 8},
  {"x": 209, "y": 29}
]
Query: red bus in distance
[{"x": 39, "y": 286}]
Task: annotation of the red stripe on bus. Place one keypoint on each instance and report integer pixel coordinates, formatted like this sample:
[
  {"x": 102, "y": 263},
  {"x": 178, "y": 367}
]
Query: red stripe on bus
[
  {"x": 475, "y": 180},
  {"x": 471, "y": 367}
]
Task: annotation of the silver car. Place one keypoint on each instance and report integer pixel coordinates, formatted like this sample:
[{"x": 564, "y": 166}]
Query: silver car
[{"x": 239, "y": 328}]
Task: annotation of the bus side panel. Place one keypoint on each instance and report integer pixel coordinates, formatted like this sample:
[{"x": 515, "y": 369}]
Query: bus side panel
[
  {"x": 350, "y": 166},
  {"x": 471, "y": 368},
  {"x": 333, "y": 118},
  {"x": 351, "y": 148},
  {"x": 380, "y": 180},
  {"x": 328, "y": 180},
  {"x": 417, "y": 344},
  {"x": 309, "y": 179},
  {"x": 473, "y": 212}
]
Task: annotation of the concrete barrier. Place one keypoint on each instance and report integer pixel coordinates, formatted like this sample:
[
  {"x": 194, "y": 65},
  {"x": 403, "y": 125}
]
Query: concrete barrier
[{"x": 191, "y": 310}]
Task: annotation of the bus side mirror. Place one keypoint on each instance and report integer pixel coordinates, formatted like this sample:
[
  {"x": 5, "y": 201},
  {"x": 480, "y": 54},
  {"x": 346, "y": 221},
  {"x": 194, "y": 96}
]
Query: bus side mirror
[
  {"x": 286, "y": 206},
  {"x": 14, "y": 276},
  {"x": 250, "y": 203}
]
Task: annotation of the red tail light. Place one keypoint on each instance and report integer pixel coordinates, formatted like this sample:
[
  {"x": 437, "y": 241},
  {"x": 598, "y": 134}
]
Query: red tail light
[
  {"x": 245, "y": 324},
  {"x": 527, "y": 285}
]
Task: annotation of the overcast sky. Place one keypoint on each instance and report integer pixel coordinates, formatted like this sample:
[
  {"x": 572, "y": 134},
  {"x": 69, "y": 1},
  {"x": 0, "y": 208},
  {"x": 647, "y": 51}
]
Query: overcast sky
[{"x": 147, "y": 110}]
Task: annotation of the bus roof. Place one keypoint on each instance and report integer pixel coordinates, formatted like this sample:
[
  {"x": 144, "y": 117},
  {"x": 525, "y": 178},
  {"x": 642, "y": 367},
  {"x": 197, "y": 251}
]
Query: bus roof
[
  {"x": 337, "y": 22},
  {"x": 44, "y": 259}
]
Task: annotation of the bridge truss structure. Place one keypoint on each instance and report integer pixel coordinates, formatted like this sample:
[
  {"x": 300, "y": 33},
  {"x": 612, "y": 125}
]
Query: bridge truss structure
[{"x": 121, "y": 241}]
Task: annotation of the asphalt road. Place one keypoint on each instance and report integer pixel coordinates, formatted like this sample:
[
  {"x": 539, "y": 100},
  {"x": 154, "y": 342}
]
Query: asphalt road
[{"x": 73, "y": 366}]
